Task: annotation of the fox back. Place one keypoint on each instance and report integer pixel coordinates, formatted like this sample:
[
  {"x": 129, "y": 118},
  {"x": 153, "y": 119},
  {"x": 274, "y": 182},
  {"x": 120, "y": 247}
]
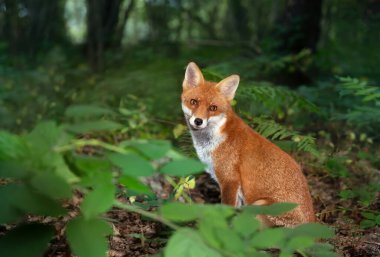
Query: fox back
[{"x": 248, "y": 168}]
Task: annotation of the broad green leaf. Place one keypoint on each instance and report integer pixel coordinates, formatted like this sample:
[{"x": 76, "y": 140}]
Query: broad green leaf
[
  {"x": 8, "y": 212},
  {"x": 174, "y": 155},
  {"x": 87, "y": 111},
  {"x": 181, "y": 212},
  {"x": 273, "y": 209},
  {"x": 101, "y": 198},
  {"x": 12, "y": 170},
  {"x": 368, "y": 215},
  {"x": 152, "y": 149},
  {"x": 182, "y": 167},
  {"x": 229, "y": 239},
  {"x": 44, "y": 137},
  {"x": 367, "y": 223},
  {"x": 207, "y": 230},
  {"x": 51, "y": 185},
  {"x": 268, "y": 238},
  {"x": 300, "y": 242},
  {"x": 11, "y": 146},
  {"x": 245, "y": 224},
  {"x": 188, "y": 243},
  {"x": 88, "y": 164},
  {"x": 29, "y": 240},
  {"x": 87, "y": 237},
  {"x": 132, "y": 164},
  {"x": 30, "y": 201},
  {"x": 377, "y": 220},
  {"x": 132, "y": 183},
  {"x": 314, "y": 230},
  {"x": 94, "y": 126},
  {"x": 321, "y": 250}
]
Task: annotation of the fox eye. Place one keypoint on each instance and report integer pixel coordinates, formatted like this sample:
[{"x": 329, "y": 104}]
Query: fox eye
[
  {"x": 213, "y": 108},
  {"x": 193, "y": 102}
]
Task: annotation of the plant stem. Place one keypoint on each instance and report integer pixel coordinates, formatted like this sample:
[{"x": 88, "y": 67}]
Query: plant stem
[
  {"x": 90, "y": 142},
  {"x": 151, "y": 215}
]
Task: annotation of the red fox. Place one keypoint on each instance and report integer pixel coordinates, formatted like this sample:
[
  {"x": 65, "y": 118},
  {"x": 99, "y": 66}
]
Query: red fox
[{"x": 249, "y": 169}]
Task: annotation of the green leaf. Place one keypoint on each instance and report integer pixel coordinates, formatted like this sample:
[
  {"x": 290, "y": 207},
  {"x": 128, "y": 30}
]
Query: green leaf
[
  {"x": 94, "y": 126},
  {"x": 181, "y": 212},
  {"x": 135, "y": 185},
  {"x": 101, "y": 198},
  {"x": 268, "y": 238},
  {"x": 377, "y": 220},
  {"x": 51, "y": 185},
  {"x": 368, "y": 215},
  {"x": 188, "y": 243},
  {"x": 367, "y": 223},
  {"x": 245, "y": 224},
  {"x": 132, "y": 164},
  {"x": 230, "y": 240},
  {"x": 314, "y": 230},
  {"x": 11, "y": 146},
  {"x": 182, "y": 167},
  {"x": 27, "y": 240},
  {"x": 152, "y": 149},
  {"x": 300, "y": 243},
  {"x": 12, "y": 170},
  {"x": 8, "y": 212},
  {"x": 30, "y": 201},
  {"x": 87, "y": 237},
  {"x": 273, "y": 209},
  {"x": 86, "y": 111},
  {"x": 321, "y": 250}
]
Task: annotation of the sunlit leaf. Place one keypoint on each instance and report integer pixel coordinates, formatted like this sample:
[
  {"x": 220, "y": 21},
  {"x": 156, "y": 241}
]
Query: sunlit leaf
[
  {"x": 132, "y": 164},
  {"x": 182, "y": 167}
]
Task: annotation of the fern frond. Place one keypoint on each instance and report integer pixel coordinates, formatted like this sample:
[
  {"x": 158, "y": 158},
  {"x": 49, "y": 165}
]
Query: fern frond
[
  {"x": 368, "y": 112},
  {"x": 275, "y": 97},
  {"x": 360, "y": 88},
  {"x": 272, "y": 130}
]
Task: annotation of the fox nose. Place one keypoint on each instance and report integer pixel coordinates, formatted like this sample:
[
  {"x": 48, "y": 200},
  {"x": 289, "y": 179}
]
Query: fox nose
[{"x": 198, "y": 121}]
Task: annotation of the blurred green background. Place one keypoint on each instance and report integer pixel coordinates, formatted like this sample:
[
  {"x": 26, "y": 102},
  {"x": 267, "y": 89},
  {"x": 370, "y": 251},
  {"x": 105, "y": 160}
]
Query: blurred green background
[{"x": 57, "y": 53}]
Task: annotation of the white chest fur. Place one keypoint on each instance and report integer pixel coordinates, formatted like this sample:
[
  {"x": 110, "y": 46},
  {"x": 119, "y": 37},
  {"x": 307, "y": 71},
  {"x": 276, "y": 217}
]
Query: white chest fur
[{"x": 207, "y": 140}]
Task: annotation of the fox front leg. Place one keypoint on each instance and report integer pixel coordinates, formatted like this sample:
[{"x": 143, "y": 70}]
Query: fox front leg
[{"x": 230, "y": 194}]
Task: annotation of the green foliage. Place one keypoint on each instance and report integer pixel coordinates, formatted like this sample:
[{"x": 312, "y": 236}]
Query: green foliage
[
  {"x": 43, "y": 167},
  {"x": 367, "y": 111},
  {"x": 274, "y": 131},
  {"x": 221, "y": 231},
  {"x": 370, "y": 220}
]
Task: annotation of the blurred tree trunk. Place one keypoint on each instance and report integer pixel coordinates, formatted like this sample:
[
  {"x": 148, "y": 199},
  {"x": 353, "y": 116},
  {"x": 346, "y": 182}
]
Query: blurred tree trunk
[
  {"x": 29, "y": 26},
  {"x": 118, "y": 37},
  {"x": 299, "y": 26},
  {"x": 240, "y": 16},
  {"x": 104, "y": 31}
]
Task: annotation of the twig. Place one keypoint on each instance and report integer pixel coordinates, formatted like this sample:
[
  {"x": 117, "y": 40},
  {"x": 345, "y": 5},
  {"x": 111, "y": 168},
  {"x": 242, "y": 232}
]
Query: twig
[{"x": 146, "y": 214}]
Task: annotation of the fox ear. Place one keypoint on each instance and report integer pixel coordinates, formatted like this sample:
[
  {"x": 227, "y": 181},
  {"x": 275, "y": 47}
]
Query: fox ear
[
  {"x": 193, "y": 76},
  {"x": 228, "y": 86}
]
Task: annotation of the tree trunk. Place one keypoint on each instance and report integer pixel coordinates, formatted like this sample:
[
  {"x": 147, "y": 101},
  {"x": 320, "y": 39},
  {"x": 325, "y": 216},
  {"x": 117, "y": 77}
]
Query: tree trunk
[{"x": 299, "y": 27}]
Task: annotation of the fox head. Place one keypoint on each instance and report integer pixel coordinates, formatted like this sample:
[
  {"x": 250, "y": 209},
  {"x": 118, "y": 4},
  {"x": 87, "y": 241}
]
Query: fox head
[{"x": 205, "y": 103}]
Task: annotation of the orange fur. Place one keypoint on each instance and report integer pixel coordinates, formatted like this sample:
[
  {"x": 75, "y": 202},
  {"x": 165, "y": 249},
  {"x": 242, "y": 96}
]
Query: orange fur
[{"x": 248, "y": 168}]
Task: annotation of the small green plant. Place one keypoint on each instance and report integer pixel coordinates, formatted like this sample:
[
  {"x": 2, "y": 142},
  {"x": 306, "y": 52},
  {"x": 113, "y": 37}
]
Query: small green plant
[{"x": 370, "y": 219}]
